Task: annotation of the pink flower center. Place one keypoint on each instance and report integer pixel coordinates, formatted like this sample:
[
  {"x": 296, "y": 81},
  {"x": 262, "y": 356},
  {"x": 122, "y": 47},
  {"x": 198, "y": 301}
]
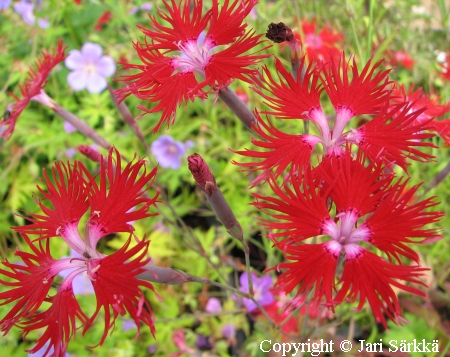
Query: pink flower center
[
  {"x": 345, "y": 233},
  {"x": 195, "y": 55},
  {"x": 313, "y": 41}
]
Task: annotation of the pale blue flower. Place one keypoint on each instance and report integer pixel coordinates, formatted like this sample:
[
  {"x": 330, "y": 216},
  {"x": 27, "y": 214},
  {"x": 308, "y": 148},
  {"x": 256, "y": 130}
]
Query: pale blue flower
[
  {"x": 168, "y": 152},
  {"x": 89, "y": 68}
]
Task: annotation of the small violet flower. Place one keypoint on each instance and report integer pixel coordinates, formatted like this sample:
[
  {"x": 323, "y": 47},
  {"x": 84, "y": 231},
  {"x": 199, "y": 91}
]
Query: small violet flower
[
  {"x": 203, "y": 343},
  {"x": 229, "y": 331},
  {"x": 89, "y": 68},
  {"x": 128, "y": 325},
  {"x": 41, "y": 352},
  {"x": 213, "y": 305},
  {"x": 25, "y": 9},
  {"x": 261, "y": 290},
  {"x": 69, "y": 128},
  {"x": 4, "y": 4},
  {"x": 168, "y": 151}
]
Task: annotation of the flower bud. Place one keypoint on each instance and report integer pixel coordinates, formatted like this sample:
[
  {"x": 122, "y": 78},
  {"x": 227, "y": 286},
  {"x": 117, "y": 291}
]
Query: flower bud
[
  {"x": 200, "y": 171},
  {"x": 90, "y": 153},
  {"x": 206, "y": 181}
]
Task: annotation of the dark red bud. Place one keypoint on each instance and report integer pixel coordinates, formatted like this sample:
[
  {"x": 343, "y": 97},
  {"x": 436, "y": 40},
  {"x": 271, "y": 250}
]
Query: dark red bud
[
  {"x": 279, "y": 33},
  {"x": 200, "y": 170},
  {"x": 90, "y": 153}
]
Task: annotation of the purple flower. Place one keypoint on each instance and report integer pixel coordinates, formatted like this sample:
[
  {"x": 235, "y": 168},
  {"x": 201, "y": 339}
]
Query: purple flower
[
  {"x": 90, "y": 68},
  {"x": 25, "y": 9},
  {"x": 168, "y": 151},
  {"x": 71, "y": 152},
  {"x": 213, "y": 305},
  {"x": 69, "y": 128},
  {"x": 128, "y": 325},
  {"x": 41, "y": 352},
  {"x": 146, "y": 6},
  {"x": 229, "y": 331},
  {"x": 43, "y": 23},
  {"x": 203, "y": 343},
  {"x": 4, "y": 4},
  {"x": 261, "y": 290}
]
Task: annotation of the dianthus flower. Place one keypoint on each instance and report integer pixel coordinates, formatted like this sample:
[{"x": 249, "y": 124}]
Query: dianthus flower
[
  {"x": 187, "y": 55},
  {"x": 434, "y": 110},
  {"x": 32, "y": 87},
  {"x": 320, "y": 45},
  {"x": 72, "y": 192},
  {"x": 390, "y": 136},
  {"x": 352, "y": 209},
  {"x": 401, "y": 58}
]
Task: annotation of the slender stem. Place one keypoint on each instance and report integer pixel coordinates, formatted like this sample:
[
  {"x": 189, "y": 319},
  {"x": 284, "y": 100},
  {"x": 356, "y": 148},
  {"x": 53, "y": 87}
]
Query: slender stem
[
  {"x": 247, "y": 266},
  {"x": 128, "y": 117},
  {"x": 438, "y": 178},
  {"x": 81, "y": 126},
  {"x": 370, "y": 29},
  {"x": 237, "y": 106}
]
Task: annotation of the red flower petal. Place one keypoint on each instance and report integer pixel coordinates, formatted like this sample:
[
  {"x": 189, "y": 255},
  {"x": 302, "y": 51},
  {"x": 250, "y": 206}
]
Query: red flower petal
[
  {"x": 299, "y": 209},
  {"x": 311, "y": 267},
  {"x": 290, "y": 99},
  {"x": 396, "y": 222},
  {"x": 156, "y": 83},
  {"x": 369, "y": 277},
  {"x": 183, "y": 25},
  {"x": 117, "y": 194},
  {"x": 227, "y": 23},
  {"x": 366, "y": 93},
  {"x": 321, "y": 46},
  {"x": 37, "y": 79},
  {"x": 117, "y": 287},
  {"x": 282, "y": 151},
  {"x": 59, "y": 322},
  {"x": 31, "y": 286},
  {"x": 353, "y": 185},
  {"x": 67, "y": 195},
  {"x": 392, "y": 136},
  {"x": 230, "y": 63}
]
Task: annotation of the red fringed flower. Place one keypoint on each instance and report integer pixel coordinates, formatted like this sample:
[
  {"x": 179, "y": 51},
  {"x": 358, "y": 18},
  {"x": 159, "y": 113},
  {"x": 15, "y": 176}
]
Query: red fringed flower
[
  {"x": 392, "y": 136},
  {"x": 351, "y": 209},
  {"x": 321, "y": 45},
  {"x": 401, "y": 58},
  {"x": 183, "y": 57},
  {"x": 432, "y": 113},
  {"x": 113, "y": 202},
  {"x": 36, "y": 81}
]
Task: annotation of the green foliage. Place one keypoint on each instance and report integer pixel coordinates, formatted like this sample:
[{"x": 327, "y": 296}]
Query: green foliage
[{"x": 203, "y": 248}]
